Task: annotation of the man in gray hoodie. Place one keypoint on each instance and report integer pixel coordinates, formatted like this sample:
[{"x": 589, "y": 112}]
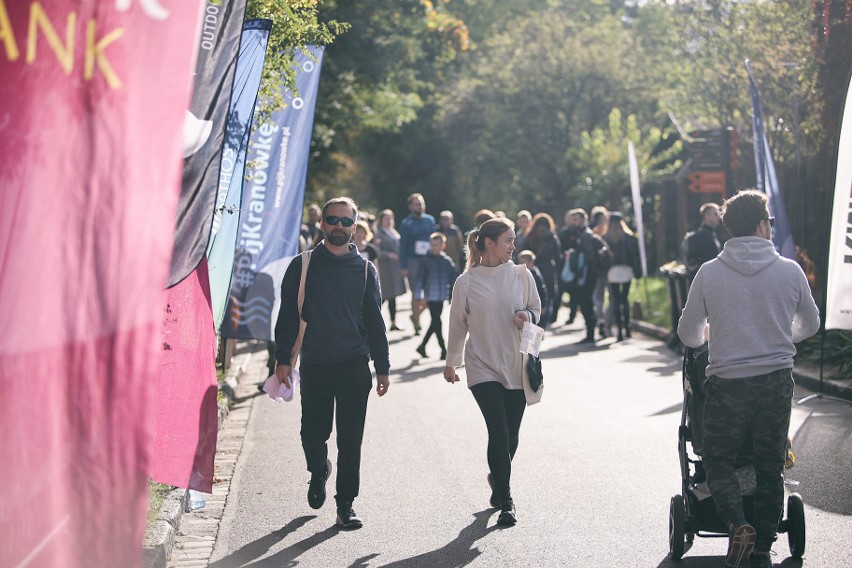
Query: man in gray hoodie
[{"x": 757, "y": 305}]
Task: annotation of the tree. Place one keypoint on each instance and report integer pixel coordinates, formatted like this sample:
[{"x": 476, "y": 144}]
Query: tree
[{"x": 602, "y": 160}]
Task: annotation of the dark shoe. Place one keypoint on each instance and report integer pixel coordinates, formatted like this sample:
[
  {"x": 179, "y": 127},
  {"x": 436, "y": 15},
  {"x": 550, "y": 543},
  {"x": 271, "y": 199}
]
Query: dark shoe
[
  {"x": 740, "y": 545},
  {"x": 627, "y": 333},
  {"x": 347, "y": 519},
  {"x": 443, "y": 354},
  {"x": 422, "y": 350},
  {"x": 586, "y": 340},
  {"x": 416, "y": 326},
  {"x": 507, "y": 516},
  {"x": 394, "y": 327},
  {"x": 761, "y": 560},
  {"x": 316, "y": 487},
  {"x": 619, "y": 337},
  {"x": 603, "y": 331},
  {"x": 494, "y": 500}
]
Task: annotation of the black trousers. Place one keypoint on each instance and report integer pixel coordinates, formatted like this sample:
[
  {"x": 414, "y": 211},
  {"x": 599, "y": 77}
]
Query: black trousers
[
  {"x": 618, "y": 297},
  {"x": 435, "y": 310},
  {"x": 345, "y": 385},
  {"x": 503, "y": 410},
  {"x": 587, "y": 305}
]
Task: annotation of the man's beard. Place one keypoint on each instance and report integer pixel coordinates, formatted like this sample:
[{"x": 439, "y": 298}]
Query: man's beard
[{"x": 338, "y": 238}]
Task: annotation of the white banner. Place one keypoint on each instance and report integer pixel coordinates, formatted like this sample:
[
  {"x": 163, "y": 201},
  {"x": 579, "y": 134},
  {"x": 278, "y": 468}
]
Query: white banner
[
  {"x": 637, "y": 205},
  {"x": 839, "y": 300}
]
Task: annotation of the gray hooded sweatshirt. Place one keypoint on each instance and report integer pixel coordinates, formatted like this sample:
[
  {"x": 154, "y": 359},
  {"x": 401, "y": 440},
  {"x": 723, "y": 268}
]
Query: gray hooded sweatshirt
[{"x": 758, "y": 304}]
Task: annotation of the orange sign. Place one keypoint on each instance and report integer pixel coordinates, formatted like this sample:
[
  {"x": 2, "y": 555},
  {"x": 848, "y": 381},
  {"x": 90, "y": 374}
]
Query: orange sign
[{"x": 706, "y": 182}]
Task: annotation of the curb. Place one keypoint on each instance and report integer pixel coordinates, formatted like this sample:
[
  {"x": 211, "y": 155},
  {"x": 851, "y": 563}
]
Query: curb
[
  {"x": 159, "y": 539},
  {"x": 160, "y": 535},
  {"x": 839, "y": 389}
]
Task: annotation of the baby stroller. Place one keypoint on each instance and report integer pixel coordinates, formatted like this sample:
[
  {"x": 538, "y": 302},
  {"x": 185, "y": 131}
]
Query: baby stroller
[{"x": 693, "y": 512}]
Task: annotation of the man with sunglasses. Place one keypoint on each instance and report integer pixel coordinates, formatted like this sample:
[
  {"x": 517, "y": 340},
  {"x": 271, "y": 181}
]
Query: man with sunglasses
[
  {"x": 344, "y": 330},
  {"x": 757, "y": 304}
]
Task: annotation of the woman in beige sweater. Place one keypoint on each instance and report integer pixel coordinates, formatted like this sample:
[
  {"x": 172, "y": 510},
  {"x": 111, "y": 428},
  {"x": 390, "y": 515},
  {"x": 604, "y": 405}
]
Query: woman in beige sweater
[{"x": 490, "y": 304}]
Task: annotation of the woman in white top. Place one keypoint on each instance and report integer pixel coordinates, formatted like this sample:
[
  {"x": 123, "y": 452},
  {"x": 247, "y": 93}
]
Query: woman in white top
[{"x": 491, "y": 302}]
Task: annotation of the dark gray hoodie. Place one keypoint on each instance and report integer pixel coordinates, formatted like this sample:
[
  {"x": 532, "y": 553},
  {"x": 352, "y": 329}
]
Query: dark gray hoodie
[{"x": 758, "y": 304}]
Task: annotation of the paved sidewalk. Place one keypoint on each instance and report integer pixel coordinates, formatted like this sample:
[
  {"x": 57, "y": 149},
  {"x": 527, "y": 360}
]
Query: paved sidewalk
[{"x": 198, "y": 529}]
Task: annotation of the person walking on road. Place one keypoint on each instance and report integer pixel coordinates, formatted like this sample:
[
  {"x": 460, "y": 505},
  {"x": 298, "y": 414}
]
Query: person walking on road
[
  {"x": 491, "y": 302},
  {"x": 626, "y": 263},
  {"x": 413, "y": 245},
  {"x": 344, "y": 329},
  {"x": 386, "y": 241},
  {"x": 758, "y": 305},
  {"x": 433, "y": 283}
]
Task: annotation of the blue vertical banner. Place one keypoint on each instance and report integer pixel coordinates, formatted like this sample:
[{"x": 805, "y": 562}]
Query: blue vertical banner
[
  {"x": 223, "y": 236},
  {"x": 767, "y": 181},
  {"x": 271, "y": 214}
]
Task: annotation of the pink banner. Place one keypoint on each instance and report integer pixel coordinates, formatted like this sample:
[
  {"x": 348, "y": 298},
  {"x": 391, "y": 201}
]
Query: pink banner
[
  {"x": 187, "y": 414},
  {"x": 92, "y": 100}
]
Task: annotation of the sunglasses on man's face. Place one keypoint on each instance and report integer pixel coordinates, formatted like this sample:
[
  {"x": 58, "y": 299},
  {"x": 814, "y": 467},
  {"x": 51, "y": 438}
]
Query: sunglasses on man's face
[
  {"x": 771, "y": 221},
  {"x": 334, "y": 220}
]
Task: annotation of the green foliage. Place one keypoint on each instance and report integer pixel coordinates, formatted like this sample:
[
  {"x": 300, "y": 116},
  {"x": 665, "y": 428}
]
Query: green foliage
[
  {"x": 601, "y": 158},
  {"x": 295, "y": 24},
  {"x": 653, "y": 293},
  {"x": 532, "y": 90}
]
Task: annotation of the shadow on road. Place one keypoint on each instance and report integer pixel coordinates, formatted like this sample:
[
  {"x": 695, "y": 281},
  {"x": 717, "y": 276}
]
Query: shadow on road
[
  {"x": 259, "y": 547},
  {"x": 693, "y": 562},
  {"x": 716, "y": 561},
  {"x": 287, "y": 558},
  {"x": 823, "y": 448},
  {"x": 407, "y": 375},
  {"x": 457, "y": 553},
  {"x": 668, "y": 410}
]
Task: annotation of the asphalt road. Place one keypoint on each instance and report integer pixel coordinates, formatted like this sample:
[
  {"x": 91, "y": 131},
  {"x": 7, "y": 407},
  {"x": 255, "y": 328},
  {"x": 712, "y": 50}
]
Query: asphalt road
[{"x": 592, "y": 480}]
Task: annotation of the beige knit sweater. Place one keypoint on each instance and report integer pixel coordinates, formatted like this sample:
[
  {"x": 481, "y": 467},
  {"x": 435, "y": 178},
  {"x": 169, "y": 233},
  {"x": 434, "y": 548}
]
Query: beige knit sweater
[{"x": 484, "y": 303}]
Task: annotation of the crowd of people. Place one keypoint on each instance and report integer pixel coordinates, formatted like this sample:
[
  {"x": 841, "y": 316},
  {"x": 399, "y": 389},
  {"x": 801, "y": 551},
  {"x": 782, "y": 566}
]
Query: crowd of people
[
  {"x": 515, "y": 275},
  {"x": 587, "y": 264}
]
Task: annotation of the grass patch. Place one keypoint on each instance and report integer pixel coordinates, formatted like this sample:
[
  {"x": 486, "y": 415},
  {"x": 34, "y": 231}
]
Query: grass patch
[
  {"x": 156, "y": 493},
  {"x": 653, "y": 293}
]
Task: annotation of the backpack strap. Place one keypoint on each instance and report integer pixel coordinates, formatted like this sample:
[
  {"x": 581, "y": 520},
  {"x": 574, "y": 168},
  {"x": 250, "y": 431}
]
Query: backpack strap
[
  {"x": 300, "y": 300},
  {"x": 366, "y": 275}
]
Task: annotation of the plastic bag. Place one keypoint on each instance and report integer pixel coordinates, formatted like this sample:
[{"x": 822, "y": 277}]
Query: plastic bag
[{"x": 278, "y": 391}]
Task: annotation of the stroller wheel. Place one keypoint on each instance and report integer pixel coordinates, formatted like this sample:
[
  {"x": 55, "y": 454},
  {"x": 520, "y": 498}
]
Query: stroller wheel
[
  {"x": 677, "y": 526},
  {"x": 796, "y": 525}
]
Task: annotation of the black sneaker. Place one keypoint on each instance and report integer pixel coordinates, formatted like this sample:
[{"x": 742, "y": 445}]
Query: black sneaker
[
  {"x": 507, "y": 516},
  {"x": 421, "y": 350},
  {"x": 347, "y": 519},
  {"x": 316, "y": 486},
  {"x": 494, "y": 500},
  {"x": 760, "y": 560}
]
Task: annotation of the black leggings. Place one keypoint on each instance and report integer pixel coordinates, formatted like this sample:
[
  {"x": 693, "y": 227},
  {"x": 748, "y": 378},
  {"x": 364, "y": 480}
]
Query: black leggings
[
  {"x": 435, "y": 309},
  {"x": 618, "y": 294},
  {"x": 503, "y": 410},
  {"x": 392, "y": 309}
]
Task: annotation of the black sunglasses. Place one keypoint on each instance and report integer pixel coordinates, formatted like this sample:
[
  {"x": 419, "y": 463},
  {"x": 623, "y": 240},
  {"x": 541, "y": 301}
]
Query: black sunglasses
[
  {"x": 771, "y": 221},
  {"x": 334, "y": 220}
]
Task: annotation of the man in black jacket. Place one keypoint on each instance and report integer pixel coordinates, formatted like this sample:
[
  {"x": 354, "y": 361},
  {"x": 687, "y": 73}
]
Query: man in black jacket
[
  {"x": 592, "y": 251},
  {"x": 703, "y": 244},
  {"x": 344, "y": 330}
]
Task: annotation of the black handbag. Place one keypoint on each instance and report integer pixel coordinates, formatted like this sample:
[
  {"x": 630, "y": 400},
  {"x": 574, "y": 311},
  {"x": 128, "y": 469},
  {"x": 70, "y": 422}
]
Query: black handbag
[{"x": 534, "y": 372}]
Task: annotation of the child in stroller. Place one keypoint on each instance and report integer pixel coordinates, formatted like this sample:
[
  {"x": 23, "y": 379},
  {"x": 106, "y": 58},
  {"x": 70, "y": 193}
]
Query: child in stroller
[{"x": 693, "y": 511}]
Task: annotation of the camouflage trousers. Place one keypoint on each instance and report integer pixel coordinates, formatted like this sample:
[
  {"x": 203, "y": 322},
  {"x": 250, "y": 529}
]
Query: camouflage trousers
[{"x": 735, "y": 409}]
